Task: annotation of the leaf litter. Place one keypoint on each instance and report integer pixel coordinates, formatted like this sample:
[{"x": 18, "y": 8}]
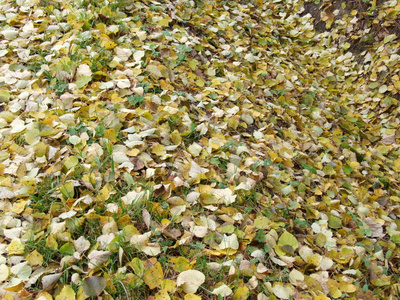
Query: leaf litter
[{"x": 199, "y": 149}]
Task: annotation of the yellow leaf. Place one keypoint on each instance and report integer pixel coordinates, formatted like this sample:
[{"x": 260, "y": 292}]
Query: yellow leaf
[
  {"x": 154, "y": 274},
  {"x": 21, "y": 171},
  {"x": 334, "y": 222},
  {"x": 32, "y": 136},
  {"x": 4, "y": 96},
  {"x": 35, "y": 258},
  {"x": 165, "y": 86},
  {"x": 129, "y": 231},
  {"x": 104, "y": 194},
  {"x": 70, "y": 162},
  {"x": 233, "y": 123},
  {"x": 345, "y": 254},
  {"x": 193, "y": 64},
  {"x": 19, "y": 207},
  {"x": 318, "y": 192},
  {"x": 40, "y": 149},
  {"x": 334, "y": 289},
  {"x": 15, "y": 287},
  {"x": 242, "y": 293},
  {"x": 288, "y": 239},
  {"x": 383, "y": 149},
  {"x": 48, "y": 131},
  {"x": 321, "y": 297},
  {"x": 163, "y": 22},
  {"x": 397, "y": 165},
  {"x": 67, "y": 190},
  {"x": 382, "y": 281},
  {"x": 279, "y": 251},
  {"x": 329, "y": 170},
  {"x": 6, "y": 181},
  {"x": 51, "y": 242},
  {"x": 164, "y": 71},
  {"x": 16, "y": 248},
  {"x": 109, "y": 44},
  {"x": 44, "y": 296},
  {"x": 348, "y": 287},
  {"x": 191, "y": 296},
  {"x": 395, "y": 198},
  {"x": 137, "y": 265},
  {"x": 67, "y": 293},
  {"x": 200, "y": 82},
  {"x": 159, "y": 150},
  {"x": 320, "y": 239},
  {"x": 133, "y": 152},
  {"x": 355, "y": 165},
  {"x": 176, "y": 137},
  {"x": 180, "y": 264},
  {"x": 168, "y": 285},
  {"x": 314, "y": 260},
  {"x": 111, "y": 134},
  {"x": 273, "y": 156},
  {"x": 262, "y": 222},
  {"x": 162, "y": 295}
]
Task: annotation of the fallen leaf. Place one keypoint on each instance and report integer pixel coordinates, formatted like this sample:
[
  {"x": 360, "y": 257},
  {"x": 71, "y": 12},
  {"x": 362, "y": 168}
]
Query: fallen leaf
[
  {"x": 190, "y": 280},
  {"x": 282, "y": 290},
  {"x": 16, "y": 247},
  {"x": 93, "y": 286},
  {"x": 66, "y": 293},
  {"x": 154, "y": 274},
  {"x": 98, "y": 258},
  {"x": 222, "y": 291},
  {"x": 229, "y": 241}
]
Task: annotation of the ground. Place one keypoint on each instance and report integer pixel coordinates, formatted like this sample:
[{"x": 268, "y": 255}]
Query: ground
[{"x": 199, "y": 149}]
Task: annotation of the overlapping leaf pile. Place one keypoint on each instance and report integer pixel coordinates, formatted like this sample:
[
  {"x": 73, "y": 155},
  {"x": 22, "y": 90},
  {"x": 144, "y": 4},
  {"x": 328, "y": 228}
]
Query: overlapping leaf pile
[{"x": 198, "y": 150}]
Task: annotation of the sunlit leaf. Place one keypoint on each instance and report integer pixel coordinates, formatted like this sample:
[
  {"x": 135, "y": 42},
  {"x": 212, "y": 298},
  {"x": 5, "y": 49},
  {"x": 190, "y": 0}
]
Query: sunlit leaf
[
  {"x": 222, "y": 291},
  {"x": 67, "y": 293},
  {"x": 190, "y": 280},
  {"x": 288, "y": 239},
  {"x": 154, "y": 274},
  {"x": 83, "y": 80},
  {"x": 282, "y": 290},
  {"x": 16, "y": 247}
]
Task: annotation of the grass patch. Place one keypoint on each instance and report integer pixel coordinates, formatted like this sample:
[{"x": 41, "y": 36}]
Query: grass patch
[{"x": 43, "y": 196}]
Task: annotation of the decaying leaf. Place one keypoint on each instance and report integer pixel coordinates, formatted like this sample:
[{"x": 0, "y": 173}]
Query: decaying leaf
[
  {"x": 93, "y": 285},
  {"x": 98, "y": 258}
]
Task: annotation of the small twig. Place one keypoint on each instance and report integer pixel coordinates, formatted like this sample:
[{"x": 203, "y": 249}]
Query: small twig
[{"x": 208, "y": 291}]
